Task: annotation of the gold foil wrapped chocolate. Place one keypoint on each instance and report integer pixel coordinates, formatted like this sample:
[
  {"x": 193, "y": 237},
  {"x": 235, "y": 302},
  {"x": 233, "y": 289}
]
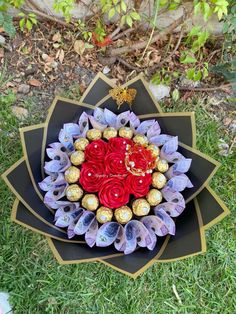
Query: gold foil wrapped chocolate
[
  {"x": 77, "y": 158},
  {"x": 154, "y": 197},
  {"x": 140, "y": 139},
  {"x": 162, "y": 165},
  {"x": 81, "y": 143},
  {"x": 104, "y": 214},
  {"x": 72, "y": 174},
  {"x": 158, "y": 180},
  {"x": 123, "y": 214},
  {"x": 94, "y": 134},
  {"x": 74, "y": 192},
  {"x": 141, "y": 207},
  {"x": 126, "y": 132},
  {"x": 109, "y": 133},
  {"x": 90, "y": 202},
  {"x": 154, "y": 150}
]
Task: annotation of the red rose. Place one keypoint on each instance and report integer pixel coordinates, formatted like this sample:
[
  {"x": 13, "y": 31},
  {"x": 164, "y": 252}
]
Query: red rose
[
  {"x": 114, "y": 193},
  {"x": 92, "y": 175},
  {"x": 118, "y": 144},
  {"x": 115, "y": 165},
  {"x": 139, "y": 185},
  {"x": 96, "y": 151}
]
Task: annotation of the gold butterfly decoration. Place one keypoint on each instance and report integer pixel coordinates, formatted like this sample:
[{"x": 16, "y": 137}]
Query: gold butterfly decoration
[{"x": 121, "y": 95}]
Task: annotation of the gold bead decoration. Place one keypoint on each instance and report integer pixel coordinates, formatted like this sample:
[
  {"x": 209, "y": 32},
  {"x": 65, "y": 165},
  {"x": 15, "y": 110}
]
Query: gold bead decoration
[
  {"x": 104, "y": 214},
  {"x": 72, "y": 174},
  {"x": 154, "y": 197},
  {"x": 154, "y": 150},
  {"x": 94, "y": 134},
  {"x": 90, "y": 202},
  {"x": 162, "y": 165},
  {"x": 123, "y": 214},
  {"x": 126, "y": 132},
  {"x": 158, "y": 180},
  {"x": 77, "y": 158},
  {"x": 81, "y": 143},
  {"x": 141, "y": 207},
  {"x": 74, "y": 192},
  {"x": 140, "y": 139},
  {"x": 109, "y": 132}
]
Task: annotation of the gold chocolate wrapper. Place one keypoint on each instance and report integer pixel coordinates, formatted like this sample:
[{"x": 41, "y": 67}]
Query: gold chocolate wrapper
[
  {"x": 94, "y": 134},
  {"x": 162, "y": 165},
  {"x": 140, "y": 139},
  {"x": 154, "y": 197},
  {"x": 154, "y": 150},
  {"x": 126, "y": 132},
  {"x": 72, "y": 174},
  {"x": 104, "y": 214},
  {"x": 81, "y": 143},
  {"x": 141, "y": 207},
  {"x": 90, "y": 202},
  {"x": 123, "y": 214},
  {"x": 77, "y": 158},
  {"x": 74, "y": 192},
  {"x": 158, "y": 180},
  {"x": 109, "y": 133}
]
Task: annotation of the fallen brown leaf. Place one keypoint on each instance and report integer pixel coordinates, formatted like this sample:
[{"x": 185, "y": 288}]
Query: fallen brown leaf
[
  {"x": 56, "y": 37},
  {"x": 34, "y": 82}
]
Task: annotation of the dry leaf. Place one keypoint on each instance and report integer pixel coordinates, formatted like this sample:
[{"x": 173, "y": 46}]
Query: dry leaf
[
  {"x": 60, "y": 55},
  {"x": 56, "y": 37},
  {"x": 79, "y": 47},
  {"x": 34, "y": 82},
  {"x": 1, "y": 52}
]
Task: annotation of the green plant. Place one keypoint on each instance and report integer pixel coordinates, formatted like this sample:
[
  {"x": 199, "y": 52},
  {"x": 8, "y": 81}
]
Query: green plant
[
  {"x": 126, "y": 15},
  {"x": 86, "y": 34},
  {"x": 100, "y": 31},
  {"x": 197, "y": 73},
  {"x": 27, "y": 21},
  {"x": 228, "y": 70},
  {"x": 65, "y": 7},
  {"x": 7, "y": 23},
  {"x": 162, "y": 77}
]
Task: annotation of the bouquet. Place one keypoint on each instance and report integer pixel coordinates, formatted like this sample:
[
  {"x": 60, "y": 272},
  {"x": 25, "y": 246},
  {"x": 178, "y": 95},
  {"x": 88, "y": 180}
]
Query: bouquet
[{"x": 112, "y": 178}]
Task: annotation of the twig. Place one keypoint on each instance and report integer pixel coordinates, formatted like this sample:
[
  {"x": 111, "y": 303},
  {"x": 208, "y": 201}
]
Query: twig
[
  {"x": 142, "y": 44},
  {"x": 160, "y": 64},
  {"x": 115, "y": 32},
  {"x": 129, "y": 66},
  {"x": 127, "y": 31},
  {"x": 232, "y": 145},
  {"x": 176, "y": 294},
  {"x": 153, "y": 28},
  {"x": 207, "y": 89}
]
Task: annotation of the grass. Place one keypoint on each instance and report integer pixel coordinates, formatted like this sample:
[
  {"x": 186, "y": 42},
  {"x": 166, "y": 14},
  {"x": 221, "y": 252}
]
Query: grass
[{"x": 38, "y": 285}]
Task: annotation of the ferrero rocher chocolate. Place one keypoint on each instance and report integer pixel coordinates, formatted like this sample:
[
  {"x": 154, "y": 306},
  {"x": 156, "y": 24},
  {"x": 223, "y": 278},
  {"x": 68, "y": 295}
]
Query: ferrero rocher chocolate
[
  {"x": 154, "y": 150},
  {"x": 77, "y": 158},
  {"x": 109, "y": 133},
  {"x": 123, "y": 214},
  {"x": 141, "y": 207},
  {"x": 72, "y": 174},
  {"x": 158, "y": 180},
  {"x": 140, "y": 139},
  {"x": 104, "y": 214},
  {"x": 154, "y": 197},
  {"x": 162, "y": 165},
  {"x": 94, "y": 134},
  {"x": 90, "y": 202},
  {"x": 81, "y": 143},
  {"x": 126, "y": 132},
  {"x": 74, "y": 192}
]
